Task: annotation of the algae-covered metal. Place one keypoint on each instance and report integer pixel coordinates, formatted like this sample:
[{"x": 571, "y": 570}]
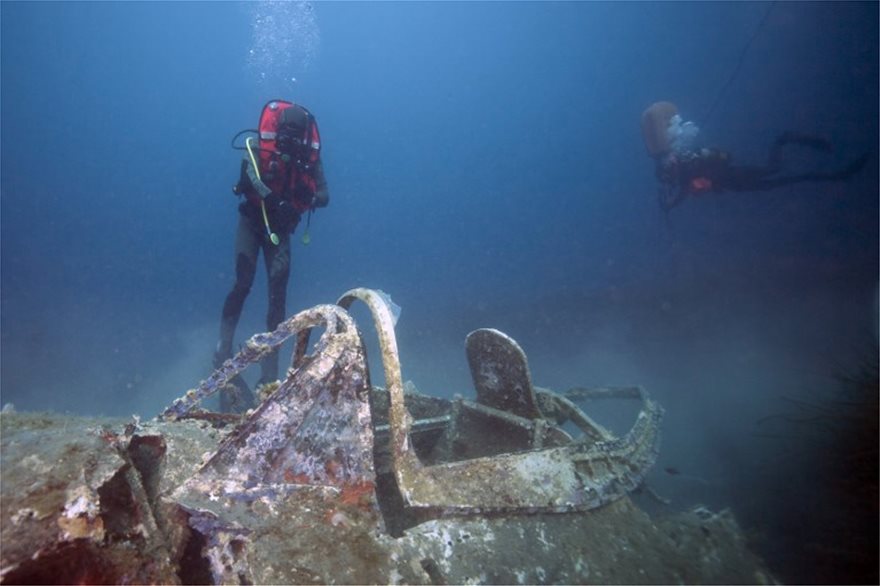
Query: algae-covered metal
[{"x": 332, "y": 480}]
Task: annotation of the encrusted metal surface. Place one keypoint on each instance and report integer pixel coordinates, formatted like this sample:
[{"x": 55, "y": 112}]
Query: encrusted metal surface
[
  {"x": 69, "y": 494},
  {"x": 316, "y": 427},
  {"x": 329, "y": 480},
  {"x": 310, "y": 439}
]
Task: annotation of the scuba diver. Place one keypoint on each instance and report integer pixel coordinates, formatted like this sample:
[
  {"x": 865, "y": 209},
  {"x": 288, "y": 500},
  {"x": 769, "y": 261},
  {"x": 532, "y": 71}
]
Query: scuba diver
[
  {"x": 684, "y": 170},
  {"x": 281, "y": 178}
]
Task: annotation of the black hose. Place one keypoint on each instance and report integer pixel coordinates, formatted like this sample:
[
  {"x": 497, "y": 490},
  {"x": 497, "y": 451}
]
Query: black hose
[
  {"x": 742, "y": 58},
  {"x": 241, "y": 148}
]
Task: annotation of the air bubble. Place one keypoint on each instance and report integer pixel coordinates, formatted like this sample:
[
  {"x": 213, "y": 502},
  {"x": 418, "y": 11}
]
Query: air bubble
[{"x": 285, "y": 40}]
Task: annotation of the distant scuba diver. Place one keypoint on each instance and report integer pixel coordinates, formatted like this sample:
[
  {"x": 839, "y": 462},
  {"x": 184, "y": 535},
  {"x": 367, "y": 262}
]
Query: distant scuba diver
[
  {"x": 686, "y": 171},
  {"x": 281, "y": 178}
]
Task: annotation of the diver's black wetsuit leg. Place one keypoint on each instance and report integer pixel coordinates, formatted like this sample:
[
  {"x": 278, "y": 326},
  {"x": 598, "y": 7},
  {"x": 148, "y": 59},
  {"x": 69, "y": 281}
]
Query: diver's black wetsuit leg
[
  {"x": 278, "y": 269},
  {"x": 247, "y": 246}
]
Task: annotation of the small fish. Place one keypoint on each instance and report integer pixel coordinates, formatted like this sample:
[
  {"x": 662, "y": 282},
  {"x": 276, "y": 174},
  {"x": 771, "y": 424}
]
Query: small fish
[{"x": 676, "y": 472}]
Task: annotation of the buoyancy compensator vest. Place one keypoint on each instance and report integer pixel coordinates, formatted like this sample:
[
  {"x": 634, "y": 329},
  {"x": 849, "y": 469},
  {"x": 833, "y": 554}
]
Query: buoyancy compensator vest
[{"x": 289, "y": 150}]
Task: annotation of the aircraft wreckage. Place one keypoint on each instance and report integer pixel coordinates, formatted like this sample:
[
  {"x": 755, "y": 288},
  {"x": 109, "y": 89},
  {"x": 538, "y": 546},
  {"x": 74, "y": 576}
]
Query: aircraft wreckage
[{"x": 331, "y": 480}]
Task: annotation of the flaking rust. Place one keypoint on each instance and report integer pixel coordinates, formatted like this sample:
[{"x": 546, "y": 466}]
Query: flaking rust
[{"x": 331, "y": 480}]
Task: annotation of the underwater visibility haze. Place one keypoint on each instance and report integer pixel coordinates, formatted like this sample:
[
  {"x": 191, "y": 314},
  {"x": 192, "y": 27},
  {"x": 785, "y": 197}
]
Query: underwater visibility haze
[{"x": 486, "y": 168}]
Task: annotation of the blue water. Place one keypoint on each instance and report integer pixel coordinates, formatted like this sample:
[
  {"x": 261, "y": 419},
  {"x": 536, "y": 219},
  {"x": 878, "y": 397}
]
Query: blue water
[{"x": 485, "y": 167}]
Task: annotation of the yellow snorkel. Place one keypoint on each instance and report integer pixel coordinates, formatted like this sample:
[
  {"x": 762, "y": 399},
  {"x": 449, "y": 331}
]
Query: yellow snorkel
[{"x": 272, "y": 236}]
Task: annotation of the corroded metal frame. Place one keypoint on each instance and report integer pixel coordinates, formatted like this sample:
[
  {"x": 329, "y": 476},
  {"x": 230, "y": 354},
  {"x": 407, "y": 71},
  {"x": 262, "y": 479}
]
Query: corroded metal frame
[{"x": 577, "y": 477}]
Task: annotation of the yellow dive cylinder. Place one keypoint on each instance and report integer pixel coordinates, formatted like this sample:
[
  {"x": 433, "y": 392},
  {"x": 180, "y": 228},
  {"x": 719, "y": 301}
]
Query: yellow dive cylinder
[{"x": 655, "y": 121}]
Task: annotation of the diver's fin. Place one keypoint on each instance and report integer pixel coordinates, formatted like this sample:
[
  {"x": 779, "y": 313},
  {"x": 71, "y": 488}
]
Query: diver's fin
[
  {"x": 501, "y": 373},
  {"x": 854, "y": 167},
  {"x": 808, "y": 140}
]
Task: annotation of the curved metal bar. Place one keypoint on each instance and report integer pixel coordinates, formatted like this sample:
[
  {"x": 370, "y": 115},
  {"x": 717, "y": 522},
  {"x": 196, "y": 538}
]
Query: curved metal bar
[
  {"x": 255, "y": 349},
  {"x": 405, "y": 462},
  {"x": 577, "y": 393},
  {"x": 575, "y": 477},
  {"x": 314, "y": 429},
  {"x": 561, "y": 409}
]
